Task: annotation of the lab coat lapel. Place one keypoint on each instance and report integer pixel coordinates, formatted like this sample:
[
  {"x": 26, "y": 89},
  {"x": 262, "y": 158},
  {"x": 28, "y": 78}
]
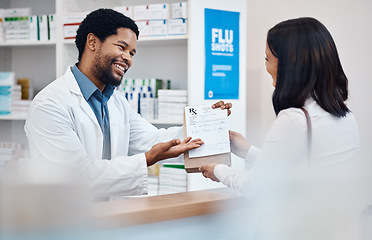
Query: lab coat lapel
[
  {"x": 88, "y": 110},
  {"x": 114, "y": 125},
  {"x": 74, "y": 88}
]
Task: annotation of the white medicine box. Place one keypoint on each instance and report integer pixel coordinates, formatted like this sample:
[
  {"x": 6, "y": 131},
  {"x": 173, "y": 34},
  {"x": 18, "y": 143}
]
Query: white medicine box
[
  {"x": 126, "y": 10},
  {"x": 141, "y": 12},
  {"x": 71, "y": 22},
  {"x": 143, "y": 28},
  {"x": 158, "y": 11},
  {"x": 34, "y": 28},
  {"x": 52, "y": 27},
  {"x": 177, "y": 26},
  {"x": 7, "y": 78},
  {"x": 179, "y": 10},
  {"x": 43, "y": 27},
  {"x": 158, "y": 27}
]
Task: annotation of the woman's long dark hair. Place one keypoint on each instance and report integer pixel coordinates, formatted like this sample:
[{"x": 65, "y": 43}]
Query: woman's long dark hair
[{"x": 308, "y": 65}]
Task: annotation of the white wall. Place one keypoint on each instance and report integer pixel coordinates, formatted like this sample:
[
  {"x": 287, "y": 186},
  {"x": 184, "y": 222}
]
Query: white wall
[
  {"x": 196, "y": 71},
  {"x": 350, "y": 23}
]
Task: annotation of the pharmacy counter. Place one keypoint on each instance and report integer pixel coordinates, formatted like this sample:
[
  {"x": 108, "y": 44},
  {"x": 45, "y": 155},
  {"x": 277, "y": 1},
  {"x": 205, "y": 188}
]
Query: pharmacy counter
[
  {"x": 207, "y": 214},
  {"x": 146, "y": 210}
]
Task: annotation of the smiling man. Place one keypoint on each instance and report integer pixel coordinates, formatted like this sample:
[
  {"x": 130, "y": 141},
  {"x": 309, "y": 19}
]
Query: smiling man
[{"x": 81, "y": 124}]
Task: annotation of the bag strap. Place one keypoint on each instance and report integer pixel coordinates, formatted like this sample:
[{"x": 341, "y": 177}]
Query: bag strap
[{"x": 309, "y": 134}]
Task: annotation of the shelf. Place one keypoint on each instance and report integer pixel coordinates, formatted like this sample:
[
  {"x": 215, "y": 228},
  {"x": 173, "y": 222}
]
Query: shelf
[
  {"x": 39, "y": 43},
  {"x": 165, "y": 122},
  {"x": 162, "y": 38},
  {"x": 144, "y": 40},
  {"x": 13, "y": 117}
]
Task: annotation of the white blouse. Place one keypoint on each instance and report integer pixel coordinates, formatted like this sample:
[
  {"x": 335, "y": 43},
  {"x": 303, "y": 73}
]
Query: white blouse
[
  {"x": 335, "y": 146},
  {"x": 289, "y": 206}
]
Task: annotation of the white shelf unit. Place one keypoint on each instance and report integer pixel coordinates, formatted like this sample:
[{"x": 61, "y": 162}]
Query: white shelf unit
[
  {"x": 29, "y": 44},
  {"x": 34, "y": 60},
  {"x": 146, "y": 39},
  {"x": 178, "y": 58},
  {"x": 13, "y": 117},
  {"x": 44, "y": 61}
]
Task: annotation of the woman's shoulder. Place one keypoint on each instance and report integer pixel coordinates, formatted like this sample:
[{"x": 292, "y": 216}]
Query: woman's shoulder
[
  {"x": 318, "y": 116},
  {"x": 291, "y": 114}
]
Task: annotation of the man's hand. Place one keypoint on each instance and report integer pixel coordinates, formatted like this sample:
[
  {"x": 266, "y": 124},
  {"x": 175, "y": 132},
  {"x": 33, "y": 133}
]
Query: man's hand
[
  {"x": 223, "y": 105},
  {"x": 208, "y": 171},
  {"x": 171, "y": 149}
]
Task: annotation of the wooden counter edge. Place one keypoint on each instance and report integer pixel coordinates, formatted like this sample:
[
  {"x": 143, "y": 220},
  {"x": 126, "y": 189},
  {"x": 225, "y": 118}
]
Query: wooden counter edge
[{"x": 144, "y": 210}]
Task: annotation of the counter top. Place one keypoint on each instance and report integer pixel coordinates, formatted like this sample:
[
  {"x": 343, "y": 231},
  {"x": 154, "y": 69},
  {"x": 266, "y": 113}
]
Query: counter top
[{"x": 144, "y": 210}]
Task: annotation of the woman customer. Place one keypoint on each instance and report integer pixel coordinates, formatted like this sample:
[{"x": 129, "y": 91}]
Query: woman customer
[{"x": 298, "y": 176}]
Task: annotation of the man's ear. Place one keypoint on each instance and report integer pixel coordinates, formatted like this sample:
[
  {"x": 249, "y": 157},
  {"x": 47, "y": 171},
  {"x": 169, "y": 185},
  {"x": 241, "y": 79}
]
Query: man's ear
[{"x": 92, "y": 42}]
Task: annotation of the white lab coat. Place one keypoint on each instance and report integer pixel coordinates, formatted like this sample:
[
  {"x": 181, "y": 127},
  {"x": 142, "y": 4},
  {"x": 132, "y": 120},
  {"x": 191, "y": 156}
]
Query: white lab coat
[{"x": 63, "y": 133}]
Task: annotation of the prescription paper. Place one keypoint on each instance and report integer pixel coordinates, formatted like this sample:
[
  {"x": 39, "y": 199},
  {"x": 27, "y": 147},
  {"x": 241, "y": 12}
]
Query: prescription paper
[{"x": 210, "y": 125}]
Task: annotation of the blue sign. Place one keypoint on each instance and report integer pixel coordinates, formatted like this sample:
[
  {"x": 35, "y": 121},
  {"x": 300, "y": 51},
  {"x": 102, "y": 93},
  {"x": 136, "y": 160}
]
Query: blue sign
[{"x": 221, "y": 54}]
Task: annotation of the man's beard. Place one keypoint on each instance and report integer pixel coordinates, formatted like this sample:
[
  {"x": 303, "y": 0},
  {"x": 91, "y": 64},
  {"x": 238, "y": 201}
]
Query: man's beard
[{"x": 103, "y": 71}]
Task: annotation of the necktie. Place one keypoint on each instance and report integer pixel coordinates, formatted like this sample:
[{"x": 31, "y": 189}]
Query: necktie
[{"x": 106, "y": 153}]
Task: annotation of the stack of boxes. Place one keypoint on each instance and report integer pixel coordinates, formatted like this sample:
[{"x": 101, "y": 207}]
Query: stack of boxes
[
  {"x": 7, "y": 92},
  {"x": 172, "y": 179},
  {"x": 20, "y": 107},
  {"x": 158, "y": 19},
  {"x": 18, "y": 25},
  {"x": 10, "y": 152},
  {"x": 178, "y": 22},
  {"x": 11, "y": 96},
  {"x": 141, "y": 95},
  {"x": 171, "y": 104},
  {"x": 71, "y": 23},
  {"x": 152, "y": 19},
  {"x": 43, "y": 27},
  {"x": 25, "y": 87},
  {"x": 149, "y": 98},
  {"x": 153, "y": 180}
]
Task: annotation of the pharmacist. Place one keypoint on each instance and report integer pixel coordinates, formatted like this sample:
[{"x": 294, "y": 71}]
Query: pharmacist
[{"x": 79, "y": 123}]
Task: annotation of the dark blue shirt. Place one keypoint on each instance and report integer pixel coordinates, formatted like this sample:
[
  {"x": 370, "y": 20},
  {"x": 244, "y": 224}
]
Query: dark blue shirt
[{"x": 97, "y": 100}]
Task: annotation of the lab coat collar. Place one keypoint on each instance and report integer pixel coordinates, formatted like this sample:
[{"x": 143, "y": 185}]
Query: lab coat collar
[
  {"x": 71, "y": 83},
  {"x": 73, "y": 86}
]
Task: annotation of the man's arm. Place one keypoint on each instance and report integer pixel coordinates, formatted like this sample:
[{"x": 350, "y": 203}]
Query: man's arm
[{"x": 55, "y": 146}]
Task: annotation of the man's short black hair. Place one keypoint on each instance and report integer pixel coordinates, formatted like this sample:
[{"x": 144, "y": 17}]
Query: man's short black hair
[{"x": 102, "y": 23}]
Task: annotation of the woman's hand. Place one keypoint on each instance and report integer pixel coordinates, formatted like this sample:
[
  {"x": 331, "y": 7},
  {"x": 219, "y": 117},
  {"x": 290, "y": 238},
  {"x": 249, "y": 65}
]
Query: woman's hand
[
  {"x": 171, "y": 149},
  {"x": 223, "y": 105},
  {"x": 238, "y": 144},
  {"x": 208, "y": 171}
]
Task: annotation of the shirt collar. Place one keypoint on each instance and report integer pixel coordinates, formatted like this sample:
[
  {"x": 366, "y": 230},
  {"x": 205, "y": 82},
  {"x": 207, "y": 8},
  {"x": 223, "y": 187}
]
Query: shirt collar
[{"x": 87, "y": 87}]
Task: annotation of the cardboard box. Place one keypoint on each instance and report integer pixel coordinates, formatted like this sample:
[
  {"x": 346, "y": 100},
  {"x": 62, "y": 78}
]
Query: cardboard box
[
  {"x": 43, "y": 27},
  {"x": 69, "y": 31},
  {"x": 158, "y": 27},
  {"x": 143, "y": 27},
  {"x": 177, "y": 26},
  {"x": 52, "y": 21},
  {"x": 34, "y": 28},
  {"x": 126, "y": 10},
  {"x": 158, "y": 11},
  {"x": 141, "y": 12},
  {"x": 179, "y": 10},
  {"x": 7, "y": 78},
  {"x": 74, "y": 17}
]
